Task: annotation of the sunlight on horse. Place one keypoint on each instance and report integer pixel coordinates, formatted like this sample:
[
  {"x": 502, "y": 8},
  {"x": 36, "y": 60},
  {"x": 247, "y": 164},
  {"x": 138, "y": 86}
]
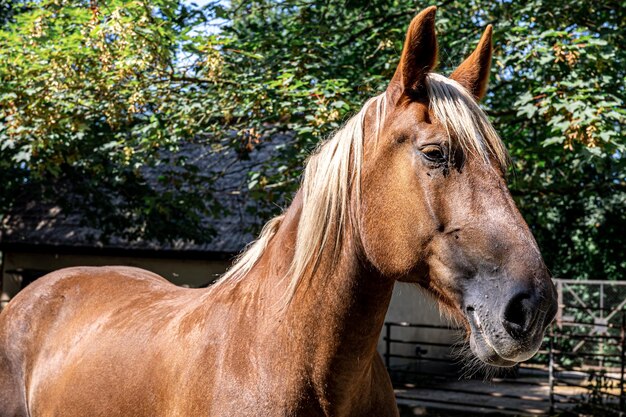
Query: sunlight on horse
[{"x": 412, "y": 189}]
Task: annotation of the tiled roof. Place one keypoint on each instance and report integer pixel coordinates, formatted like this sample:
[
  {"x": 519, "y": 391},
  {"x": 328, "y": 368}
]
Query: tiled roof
[{"x": 33, "y": 223}]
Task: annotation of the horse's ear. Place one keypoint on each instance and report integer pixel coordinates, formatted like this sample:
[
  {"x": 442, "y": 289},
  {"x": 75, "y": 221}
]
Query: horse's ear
[
  {"x": 419, "y": 54},
  {"x": 473, "y": 73}
]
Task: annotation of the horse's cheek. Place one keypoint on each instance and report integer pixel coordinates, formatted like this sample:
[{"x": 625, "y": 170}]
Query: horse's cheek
[{"x": 393, "y": 235}]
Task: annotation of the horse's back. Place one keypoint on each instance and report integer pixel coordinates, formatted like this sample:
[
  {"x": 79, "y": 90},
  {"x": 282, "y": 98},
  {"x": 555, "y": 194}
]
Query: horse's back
[{"x": 64, "y": 317}]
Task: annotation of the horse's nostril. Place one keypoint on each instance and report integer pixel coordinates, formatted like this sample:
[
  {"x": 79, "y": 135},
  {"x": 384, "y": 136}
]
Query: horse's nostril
[{"x": 518, "y": 315}]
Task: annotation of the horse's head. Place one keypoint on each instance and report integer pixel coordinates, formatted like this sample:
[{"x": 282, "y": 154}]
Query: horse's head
[{"x": 435, "y": 206}]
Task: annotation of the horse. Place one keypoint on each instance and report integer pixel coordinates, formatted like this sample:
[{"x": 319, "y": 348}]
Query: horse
[{"x": 411, "y": 189}]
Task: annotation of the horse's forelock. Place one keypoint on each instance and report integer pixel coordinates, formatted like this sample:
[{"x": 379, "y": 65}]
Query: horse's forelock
[{"x": 455, "y": 108}]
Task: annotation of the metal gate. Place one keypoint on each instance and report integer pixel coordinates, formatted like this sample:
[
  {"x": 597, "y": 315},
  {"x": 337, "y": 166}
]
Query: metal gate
[{"x": 597, "y": 304}]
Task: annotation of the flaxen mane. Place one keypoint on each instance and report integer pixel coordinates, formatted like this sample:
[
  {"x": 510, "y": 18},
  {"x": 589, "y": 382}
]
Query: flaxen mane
[{"x": 455, "y": 108}]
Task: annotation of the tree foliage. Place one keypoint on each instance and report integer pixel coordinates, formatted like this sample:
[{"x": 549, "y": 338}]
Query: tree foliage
[
  {"x": 88, "y": 98},
  {"x": 93, "y": 92}
]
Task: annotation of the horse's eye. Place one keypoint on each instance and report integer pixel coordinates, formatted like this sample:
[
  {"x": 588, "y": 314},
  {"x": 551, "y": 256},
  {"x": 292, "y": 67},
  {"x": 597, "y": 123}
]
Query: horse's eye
[{"x": 433, "y": 153}]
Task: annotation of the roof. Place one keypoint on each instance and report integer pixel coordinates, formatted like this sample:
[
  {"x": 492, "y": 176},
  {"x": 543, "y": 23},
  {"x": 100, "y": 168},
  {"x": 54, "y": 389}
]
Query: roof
[{"x": 35, "y": 225}]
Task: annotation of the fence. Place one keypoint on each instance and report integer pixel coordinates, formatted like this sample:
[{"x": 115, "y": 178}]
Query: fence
[
  {"x": 558, "y": 380},
  {"x": 596, "y": 303}
]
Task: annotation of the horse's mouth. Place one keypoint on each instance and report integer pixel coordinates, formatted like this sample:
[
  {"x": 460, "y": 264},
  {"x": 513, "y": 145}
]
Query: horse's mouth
[{"x": 481, "y": 345}]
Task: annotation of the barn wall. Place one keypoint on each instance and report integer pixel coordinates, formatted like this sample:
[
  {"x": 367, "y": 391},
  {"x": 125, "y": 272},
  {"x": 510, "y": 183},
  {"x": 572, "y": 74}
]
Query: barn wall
[{"x": 190, "y": 272}]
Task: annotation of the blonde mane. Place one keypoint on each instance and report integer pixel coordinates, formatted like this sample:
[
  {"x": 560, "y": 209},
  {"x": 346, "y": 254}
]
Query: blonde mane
[
  {"x": 455, "y": 108},
  {"x": 331, "y": 184},
  {"x": 332, "y": 174}
]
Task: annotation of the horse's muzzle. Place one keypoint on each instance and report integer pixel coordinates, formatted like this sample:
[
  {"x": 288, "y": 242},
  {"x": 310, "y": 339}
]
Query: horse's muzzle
[{"x": 508, "y": 319}]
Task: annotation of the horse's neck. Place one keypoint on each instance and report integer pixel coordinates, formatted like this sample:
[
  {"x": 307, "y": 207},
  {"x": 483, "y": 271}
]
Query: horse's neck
[{"x": 334, "y": 318}]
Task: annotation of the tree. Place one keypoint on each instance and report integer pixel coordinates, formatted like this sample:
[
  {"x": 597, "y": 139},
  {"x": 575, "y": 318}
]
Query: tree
[
  {"x": 145, "y": 78},
  {"x": 86, "y": 93}
]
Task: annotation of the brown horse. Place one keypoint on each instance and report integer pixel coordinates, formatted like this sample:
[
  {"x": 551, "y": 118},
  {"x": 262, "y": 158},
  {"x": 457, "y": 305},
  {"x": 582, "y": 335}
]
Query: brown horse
[{"x": 411, "y": 189}]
